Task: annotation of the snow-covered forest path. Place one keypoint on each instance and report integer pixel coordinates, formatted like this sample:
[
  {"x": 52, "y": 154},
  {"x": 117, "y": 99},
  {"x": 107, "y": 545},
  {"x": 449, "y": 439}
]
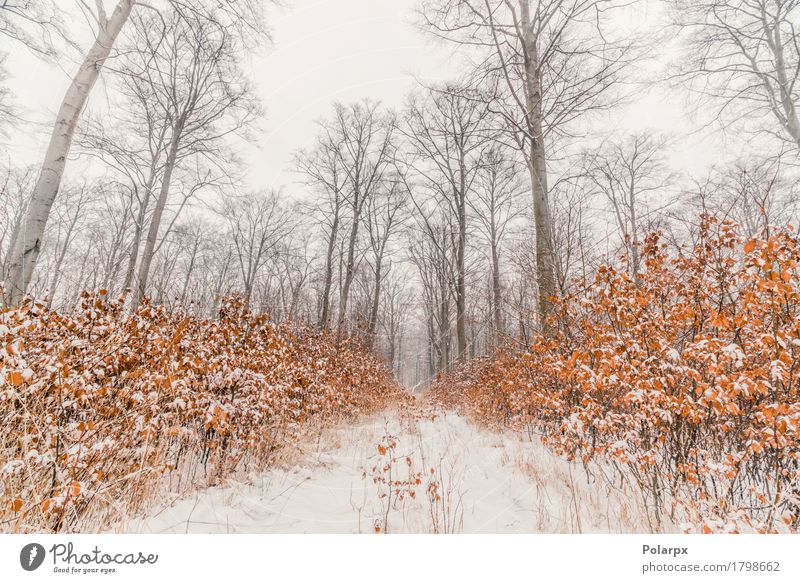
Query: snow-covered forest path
[{"x": 481, "y": 482}]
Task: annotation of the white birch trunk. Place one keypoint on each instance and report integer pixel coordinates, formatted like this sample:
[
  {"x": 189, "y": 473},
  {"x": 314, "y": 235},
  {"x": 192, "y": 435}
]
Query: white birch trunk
[{"x": 25, "y": 253}]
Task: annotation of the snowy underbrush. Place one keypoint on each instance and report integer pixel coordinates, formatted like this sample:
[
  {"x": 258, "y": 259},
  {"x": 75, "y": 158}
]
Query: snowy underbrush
[
  {"x": 396, "y": 473},
  {"x": 443, "y": 474},
  {"x": 679, "y": 382},
  {"x": 101, "y": 410}
]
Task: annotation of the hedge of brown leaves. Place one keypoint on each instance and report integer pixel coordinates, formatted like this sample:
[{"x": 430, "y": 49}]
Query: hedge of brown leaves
[
  {"x": 100, "y": 409},
  {"x": 686, "y": 378}
]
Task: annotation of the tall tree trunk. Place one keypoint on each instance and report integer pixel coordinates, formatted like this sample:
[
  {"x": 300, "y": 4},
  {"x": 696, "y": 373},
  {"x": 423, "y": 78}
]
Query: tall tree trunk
[
  {"x": 158, "y": 211},
  {"x": 372, "y": 321},
  {"x": 25, "y": 253},
  {"x": 324, "y": 321},
  {"x": 497, "y": 308},
  {"x": 139, "y": 227},
  {"x": 461, "y": 285},
  {"x": 784, "y": 85},
  {"x": 189, "y": 271},
  {"x": 537, "y": 166},
  {"x": 349, "y": 268}
]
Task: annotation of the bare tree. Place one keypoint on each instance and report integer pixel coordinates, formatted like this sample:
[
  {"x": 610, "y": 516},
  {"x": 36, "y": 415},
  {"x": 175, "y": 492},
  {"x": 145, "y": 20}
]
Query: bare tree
[
  {"x": 322, "y": 170},
  {"x": 70, "y": 211},
  {"x": 293, "y": 265},
  {"x": 495, "y": 206},
  {"x": 242, "y": 15},
  {"x": 365, "y": 135},
  {"x": 745, "y": 54},
  {"x": 36, "y": 25},
  {"x": 218, "y": 267},
  {"x": 7, "y": 109},
  {"x": 384, "y": 215},
  {"x": 192, "y": 235},
  {"x": 399, "y": 300},
  {"x": 257, "y": 223},
  {"x": 430, "y": 250},
  {"x": 555, "y": 61},
  {"x": 628, "y": 172},
  {"x": 108, "y": 232},
  {"x": 448, "y": 134},
  {"x": 15, "y": 185},
  {"x": 25, "y": 253},
  {"x": 191, "y": 74},
  {"x": 757, "y": 193},
  {"x": 134, "y": 146},
  {"x": 574, "y": 230}
]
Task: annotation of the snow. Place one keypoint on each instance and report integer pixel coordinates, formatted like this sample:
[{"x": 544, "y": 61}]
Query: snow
[
  {"x": 734, "y": 352},
  {"x": 487, "y": 482},
  {"x": 12, "y": 467}
]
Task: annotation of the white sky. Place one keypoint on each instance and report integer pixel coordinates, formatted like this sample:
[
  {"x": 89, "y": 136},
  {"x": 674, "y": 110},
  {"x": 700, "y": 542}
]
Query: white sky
[
  {"x": 335, "y": 50},
  {"x": 324, "y": 51}
]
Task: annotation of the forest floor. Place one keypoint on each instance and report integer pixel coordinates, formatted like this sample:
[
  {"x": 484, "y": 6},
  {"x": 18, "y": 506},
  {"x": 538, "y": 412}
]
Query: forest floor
[{"x": 482, "y": 482}]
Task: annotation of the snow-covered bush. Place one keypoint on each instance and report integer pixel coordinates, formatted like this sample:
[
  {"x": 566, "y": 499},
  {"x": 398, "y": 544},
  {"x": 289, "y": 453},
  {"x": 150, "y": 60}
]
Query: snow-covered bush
[
  {"x": 97, "y": 409},
  {"x": 686, "y": 376}
]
